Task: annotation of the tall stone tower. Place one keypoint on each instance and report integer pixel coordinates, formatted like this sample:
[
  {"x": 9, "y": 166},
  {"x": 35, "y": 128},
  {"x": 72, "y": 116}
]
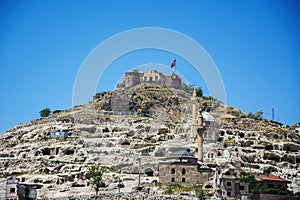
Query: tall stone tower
[
  {"x": 200, "y": 131},
  {"x": 194, "y": 115},
  {"x": 197, "y": 126}
]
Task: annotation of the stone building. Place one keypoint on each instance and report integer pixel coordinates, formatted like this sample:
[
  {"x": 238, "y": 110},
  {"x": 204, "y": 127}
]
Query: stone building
[
  {"x": 272, "y": 181},
  {"x": 28, "y": 191},
  {"x": 134, "y": 78},
  {"x": 229, "y": 181},
  {"x": 211, "y": 133},
  {"x": 183, "y": 168},
  {"x": 11, "y": 188}
]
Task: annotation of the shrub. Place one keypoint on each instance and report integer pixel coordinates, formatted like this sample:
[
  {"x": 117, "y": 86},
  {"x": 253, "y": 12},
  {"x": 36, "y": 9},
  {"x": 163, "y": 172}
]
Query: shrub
[{"x": 46, "y": 112}]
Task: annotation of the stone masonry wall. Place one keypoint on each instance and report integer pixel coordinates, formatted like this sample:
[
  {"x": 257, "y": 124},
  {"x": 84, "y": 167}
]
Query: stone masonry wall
[
  {"x": 132, "y": 79},
  {"x": 191, "y": 176}
]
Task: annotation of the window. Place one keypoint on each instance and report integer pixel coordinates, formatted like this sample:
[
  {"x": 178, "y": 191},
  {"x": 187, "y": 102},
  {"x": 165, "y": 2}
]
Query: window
[
  {"x": 228, "y": 193},
  {"x": 173, "y": 180},
  {"x": 270, "y": 185},
  {"x": 242, "y": 187},
  {"x": 183, "y": 180},
  {"x": 228, "y": 183},
  {"x": 12, "y": 190},
  {"x": 173, "y": 171},
  {"x": 145, "y": 78},
  {"x": 183, "y": 171}
]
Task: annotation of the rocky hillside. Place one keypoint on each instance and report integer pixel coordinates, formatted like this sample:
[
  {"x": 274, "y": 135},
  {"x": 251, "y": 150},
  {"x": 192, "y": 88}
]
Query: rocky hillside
[{"x": 131, "y": 131}]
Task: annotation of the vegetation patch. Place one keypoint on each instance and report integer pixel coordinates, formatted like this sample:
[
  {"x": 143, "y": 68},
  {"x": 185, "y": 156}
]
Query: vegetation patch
[{"x": 178, "y": 188}]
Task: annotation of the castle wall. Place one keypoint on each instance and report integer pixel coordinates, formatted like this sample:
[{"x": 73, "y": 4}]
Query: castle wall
[
  {"x": 132, "y": 79},
  {"x": 152, "y": 77}
]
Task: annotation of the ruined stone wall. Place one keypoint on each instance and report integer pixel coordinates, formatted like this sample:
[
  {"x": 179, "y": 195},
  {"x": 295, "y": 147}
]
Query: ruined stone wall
[
  {"x": 152, "y": 77},
  {"x": 172, "y": 81},
  {"x": 132, "y": 79}
]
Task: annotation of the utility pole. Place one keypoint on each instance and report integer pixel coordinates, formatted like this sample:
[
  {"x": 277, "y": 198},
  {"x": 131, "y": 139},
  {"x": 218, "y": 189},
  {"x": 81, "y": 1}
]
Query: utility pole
[
  {"x": 119, "y": 195},
  {"x": 139, "y": 171}
]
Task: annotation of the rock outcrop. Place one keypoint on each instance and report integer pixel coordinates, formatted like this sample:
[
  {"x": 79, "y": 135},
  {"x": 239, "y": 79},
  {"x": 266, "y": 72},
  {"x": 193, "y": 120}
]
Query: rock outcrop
[{"x": 155, "y": 123}]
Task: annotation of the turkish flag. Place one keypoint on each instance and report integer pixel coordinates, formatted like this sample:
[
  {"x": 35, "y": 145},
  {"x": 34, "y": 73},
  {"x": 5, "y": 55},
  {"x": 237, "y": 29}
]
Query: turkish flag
[{"x": 173, "y": 63}]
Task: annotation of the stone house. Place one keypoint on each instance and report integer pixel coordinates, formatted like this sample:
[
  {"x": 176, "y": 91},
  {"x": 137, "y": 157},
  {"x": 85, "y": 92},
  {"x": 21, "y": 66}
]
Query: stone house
[
  {"x": 183, "y": 169},
  {"x": 11, "y": 188},
  {"x": 272, "y": 181},
  {"x": 211, "y": 134},
  {"x": 230, "y": 184}
]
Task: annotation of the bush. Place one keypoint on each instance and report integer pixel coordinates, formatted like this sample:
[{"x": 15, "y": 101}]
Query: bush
[
  {"x": 199, "y": 92},
  {"x": 46, "y": 112}
]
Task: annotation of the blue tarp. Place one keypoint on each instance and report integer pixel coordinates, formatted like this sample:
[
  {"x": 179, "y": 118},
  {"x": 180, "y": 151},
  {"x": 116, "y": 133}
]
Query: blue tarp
[{"x": 55, "y": 134}]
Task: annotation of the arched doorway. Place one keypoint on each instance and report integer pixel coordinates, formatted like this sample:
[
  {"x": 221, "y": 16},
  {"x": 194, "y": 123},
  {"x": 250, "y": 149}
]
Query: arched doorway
[{"x": 149, "y": 172}]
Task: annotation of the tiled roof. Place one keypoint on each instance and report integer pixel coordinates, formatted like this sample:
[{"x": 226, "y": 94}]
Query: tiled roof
[{"x": 271, "y": 177}]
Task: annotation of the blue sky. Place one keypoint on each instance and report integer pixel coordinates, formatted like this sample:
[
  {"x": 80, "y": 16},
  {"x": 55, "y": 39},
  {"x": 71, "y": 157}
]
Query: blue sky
[{"x": 255, "y": 45}]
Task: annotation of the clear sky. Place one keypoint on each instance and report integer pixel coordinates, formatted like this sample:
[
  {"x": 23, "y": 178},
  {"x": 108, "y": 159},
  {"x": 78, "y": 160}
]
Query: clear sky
[{"x": 254, "y": 43}]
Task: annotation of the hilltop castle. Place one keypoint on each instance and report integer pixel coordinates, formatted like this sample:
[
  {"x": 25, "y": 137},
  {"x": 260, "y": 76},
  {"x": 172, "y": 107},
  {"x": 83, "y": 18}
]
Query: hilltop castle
[{"x": 134, "y": 78}]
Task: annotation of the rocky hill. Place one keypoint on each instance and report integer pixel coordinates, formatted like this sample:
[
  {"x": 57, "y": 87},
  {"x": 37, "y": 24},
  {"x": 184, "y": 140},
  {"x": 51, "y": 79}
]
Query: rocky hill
[{"x": 131, "y": 130}]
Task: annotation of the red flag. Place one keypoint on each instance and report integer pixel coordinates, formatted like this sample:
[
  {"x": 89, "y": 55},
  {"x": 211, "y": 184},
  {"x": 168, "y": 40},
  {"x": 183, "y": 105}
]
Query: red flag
[{"x": 173, "y": 63}]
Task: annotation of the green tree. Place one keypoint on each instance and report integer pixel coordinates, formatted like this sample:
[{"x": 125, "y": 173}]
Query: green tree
[
  {"x": 46, "y": 112},
  {"x": 199, "y": 92},
  {"x": 96, "y": 173},
  {"x": 267, "y": 170}
]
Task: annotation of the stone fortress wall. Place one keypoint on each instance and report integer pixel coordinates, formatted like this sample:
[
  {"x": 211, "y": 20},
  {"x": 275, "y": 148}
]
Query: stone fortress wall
[{"x": 132, "y": 79}]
